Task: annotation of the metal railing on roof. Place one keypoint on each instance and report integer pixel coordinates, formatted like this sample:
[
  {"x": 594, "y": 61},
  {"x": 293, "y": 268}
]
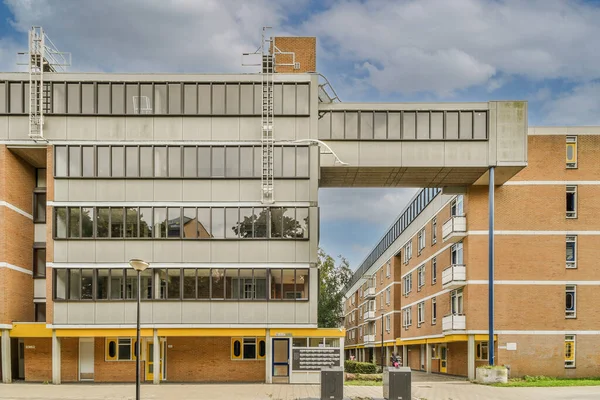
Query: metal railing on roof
[{"x": 408, "y": 215}]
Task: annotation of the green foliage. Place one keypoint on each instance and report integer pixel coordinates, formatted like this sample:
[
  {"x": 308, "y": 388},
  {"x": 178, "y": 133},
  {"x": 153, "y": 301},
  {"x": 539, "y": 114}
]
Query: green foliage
[
  {"x": 333, "y": 279},
  {"x": 547, "y": 381},
  {"x": 356, "y": 367}
]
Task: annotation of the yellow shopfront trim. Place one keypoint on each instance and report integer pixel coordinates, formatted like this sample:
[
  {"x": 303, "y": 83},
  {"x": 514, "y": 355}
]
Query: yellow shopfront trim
[
  {"x": 212, "y": 332},
  {"x": 25, "y": 330},
  {"x": 443, "y": 339},
  {"x": 308, "y": 332}
]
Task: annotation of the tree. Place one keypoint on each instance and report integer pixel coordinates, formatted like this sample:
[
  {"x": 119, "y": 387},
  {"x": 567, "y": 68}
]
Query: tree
[{"x": 332, "y": 281}]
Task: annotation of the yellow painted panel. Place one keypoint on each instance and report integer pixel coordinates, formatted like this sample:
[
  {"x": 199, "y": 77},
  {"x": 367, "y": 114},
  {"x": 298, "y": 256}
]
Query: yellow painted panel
[
  {"x": 212, "y": 332},
  {"x": 102, "y": 332},
  {"x": 30, "y": 330},
  {"x": 309, "y": 332},
  {"x": 410, "y": 342},
  {"x": 484, "y": 338}
]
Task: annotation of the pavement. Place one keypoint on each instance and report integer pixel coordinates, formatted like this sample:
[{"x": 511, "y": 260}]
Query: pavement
[{"x": 424, "y": 387}]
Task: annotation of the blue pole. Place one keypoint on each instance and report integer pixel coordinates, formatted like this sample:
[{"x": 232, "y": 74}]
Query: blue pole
[{"x": 491, "y": 269}]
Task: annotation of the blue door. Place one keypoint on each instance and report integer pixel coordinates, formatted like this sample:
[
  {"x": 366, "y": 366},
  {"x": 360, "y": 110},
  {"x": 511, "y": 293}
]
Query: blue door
[{"x": 281, "y": 360}]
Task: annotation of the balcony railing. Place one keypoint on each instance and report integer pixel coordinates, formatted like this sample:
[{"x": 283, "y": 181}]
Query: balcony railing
[
  {"x": 369, "y": 315},
  {"x": 369, "y": 292},
  {"x": 454, "y": 322},
  {"x": 454, "y": 276},
  {"x": 369, "y": 338},
  {"x": 454, "y": 229}
]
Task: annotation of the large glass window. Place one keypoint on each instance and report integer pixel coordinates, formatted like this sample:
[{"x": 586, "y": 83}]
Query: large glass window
[
  {"x": 116, "y": 284},
  {"x": 74, "y": 161},
  {"x": 175, "y": 162},
  {"x": 131, "y": 223},
  {"x": 88, "y": 161},
  {"x": 276, "y": 289},
  {"x": 160, "y": 222},
  {"x": 190, "y": 223},
  {"x": 218, "y": 223},
  {"x": 204, "y": 278},
  {"x": 74, "y": 220},
  {"x": 231, "y": 223},
  {"x": 260, "y": 284},
  {"x": 246, "y": 162},
  {"x": 174, "y": 222},
  {"x": 118, "y": 161},
  {"x": 146, "y": 162},
  {"x": 103, "y": 161},
  {"x": 39, "y": 262},
  {"x": 189, "y": 283},
  {"x": 102, "y": 284},
  {"x": 60, "y": 169},
  {"x": 204, "y": 228},
  {"x": 218, "y": 283},
  {"x": 232, "y": 165},
  {"x": 218, "y": 161},
  {"x": 173, "y": 283},
  {"x": 39, "y": 210},
  {"x": 132, "y": 167},
  {"x": 146, "y": 225},
  {"x": 160, "y": 162},
  {"x": 74, "y": 284},
  {"x": 116, "y": 222},
  {"x": 204, "y": 160},
  {"x": 189, "y": 162},
  {"x": 232, "y": 290}
]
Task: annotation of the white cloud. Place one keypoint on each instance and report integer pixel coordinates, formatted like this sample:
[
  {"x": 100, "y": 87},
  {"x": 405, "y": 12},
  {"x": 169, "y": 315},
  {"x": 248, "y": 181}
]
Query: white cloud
[
  {"x": 578, "y": 107},
  {"x": 371, "y": 205},
  {"x": 442, "y": 46},
  {"x": 153, "y": 35}
]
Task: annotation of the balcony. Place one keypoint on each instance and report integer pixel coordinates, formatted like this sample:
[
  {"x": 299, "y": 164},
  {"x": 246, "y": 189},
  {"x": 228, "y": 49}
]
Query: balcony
[
  {"x": 454, "y": 276},
  {"x": 369, "y": 338},
  {"x": 454, "y": 229},
  {"x": 369, "y": 292},
  {"x": 369, "y": 315},
  {"x": 454, "y": 322}
]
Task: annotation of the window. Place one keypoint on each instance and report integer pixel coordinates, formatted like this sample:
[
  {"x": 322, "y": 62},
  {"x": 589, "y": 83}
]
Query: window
[
  {"x": 39, "y": 207},
  {"x": 420, "y": 313},
  {"x": 434, "y": 231},
  {"x": 571, "y": 251},
  {"x": 481, "y": 351},
  {"x": 569, "y": 351},
  {"x": 407, "y": 284},
  {"x": 39, "y": 262},
  {"x": 571, "y": 301},
  {"x": 407, "y": 252},
  {"x": 120, "y": 349},
  {"x": 420, "y": 277},
  {"x": 388, "y": 323},
  {"x": 456, "y": 302},
  {"x": 456, "y": 207},
  {"x": 388, "y": 295},
  {"x": 433, "y": 311},
  {"x": 381, "y": 276},
  {"x": 246, "y": 348},
  {"x": 421, "y": 240},
  {"x": 40, "y": 312},
  {"x": 381, "y": 301},
  {"x": 571, "y": 152},
  {"x": 407, "y": 317},
  {"x": 456, "y": 254},
  {"x": 571, "y": 201},
  {"x": 433, "y": 270},
  {"x": 388, "y": 269}
]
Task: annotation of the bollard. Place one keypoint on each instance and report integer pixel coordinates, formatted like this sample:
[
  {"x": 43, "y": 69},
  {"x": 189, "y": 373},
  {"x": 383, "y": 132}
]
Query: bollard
[
  {"x": 332, "y": 383},
  {"x": 396, "y": 383}
]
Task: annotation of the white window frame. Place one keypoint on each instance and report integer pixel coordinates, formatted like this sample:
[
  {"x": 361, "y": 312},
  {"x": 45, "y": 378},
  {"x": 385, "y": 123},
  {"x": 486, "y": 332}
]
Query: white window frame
[
  {"x": 420, "y": 313},
  {"x": 456, "y": 254},
  {"x": 407, "y": 317},
  {"x": 570, "y": 339},
  {"x": 407, "y": 252},
  {"x": 572, "y": 189},
  {"x": 388, "y": 295},
  {"x": 456, "y": 302},
  {"x": 433, "y": 270},
  {"x": 479, "y": 351},
  {"x": 434, "y": 231},
  {"x": 433, "y": 311},
  {"x": 456, "y": 206},
  {"x": 420, "y": 277},
  {"x": 571, "y": 264},
  {"x": 360, "y": 313},
  {"x": 571, "y": 290},
  {"x": 407, "y": 284},
  {"x": 388, "y": 269},
  {"x": 421, "y": 241},
  {"x": 388, "y": 323},
  {"x": 360, "y": 292},
  {"x": 381, "y": 276},
  {"x": 571, "y": 139},
  {"x": 381, "y": 301}
]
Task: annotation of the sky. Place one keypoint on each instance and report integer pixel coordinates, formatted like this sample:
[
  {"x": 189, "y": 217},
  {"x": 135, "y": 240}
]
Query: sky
[{"x": 544, "y": 51}]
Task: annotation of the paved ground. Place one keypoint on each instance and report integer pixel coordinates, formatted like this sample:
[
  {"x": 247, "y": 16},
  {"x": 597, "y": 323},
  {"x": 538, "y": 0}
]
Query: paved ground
[{"x": 432, "y": 387}]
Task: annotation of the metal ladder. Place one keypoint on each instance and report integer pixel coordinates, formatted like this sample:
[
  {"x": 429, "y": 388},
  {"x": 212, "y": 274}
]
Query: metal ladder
[
  {"x": 38, "y": 95},
  {"x": 267, "y": 119}
]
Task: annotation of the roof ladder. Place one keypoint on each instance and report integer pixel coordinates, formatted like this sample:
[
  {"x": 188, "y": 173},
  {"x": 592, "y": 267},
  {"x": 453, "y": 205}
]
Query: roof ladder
[
  {"x": 267, "y": 119},
  {"x": 36, "y": 84}
]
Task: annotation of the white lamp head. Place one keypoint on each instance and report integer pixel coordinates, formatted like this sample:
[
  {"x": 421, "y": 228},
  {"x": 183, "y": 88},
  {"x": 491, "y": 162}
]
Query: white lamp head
[{"x": 138, "y": 265}]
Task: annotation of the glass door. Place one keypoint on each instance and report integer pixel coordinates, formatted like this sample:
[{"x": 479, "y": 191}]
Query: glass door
[
  {"x": 281, "y": 360},
  {"x": 443, "y": 359}
]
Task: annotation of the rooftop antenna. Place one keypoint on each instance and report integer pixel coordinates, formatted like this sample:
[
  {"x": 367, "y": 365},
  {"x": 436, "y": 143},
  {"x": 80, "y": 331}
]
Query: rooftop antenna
[{"x": 43, "y": 56}]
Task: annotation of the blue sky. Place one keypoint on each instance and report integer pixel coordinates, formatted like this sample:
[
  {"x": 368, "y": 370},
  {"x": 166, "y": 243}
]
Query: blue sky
[{"x": 544, "y": 51}]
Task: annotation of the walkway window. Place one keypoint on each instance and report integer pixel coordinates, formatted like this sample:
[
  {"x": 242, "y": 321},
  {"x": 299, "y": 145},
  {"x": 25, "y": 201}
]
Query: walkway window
[
  {"x": 456, "y": 207},
  {"x": 481, "y": 351},
  {"x": 456, "y": 302},
  {"x": 571, "y": 301},
  {"x": 569, "y": 351},
  {"x": 571, "y": 252},
  {"x": 571, "y": 152},
  {"x": 571, "y": 201}
]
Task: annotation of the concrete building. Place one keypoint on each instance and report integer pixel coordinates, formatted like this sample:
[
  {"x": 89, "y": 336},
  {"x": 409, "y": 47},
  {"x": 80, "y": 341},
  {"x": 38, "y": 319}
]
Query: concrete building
[
  {"x": 431, "y": 284},
  {"x": 213, "y": 180}
]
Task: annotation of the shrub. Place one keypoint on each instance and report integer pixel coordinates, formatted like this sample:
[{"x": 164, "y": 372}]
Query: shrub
[{"x": 356, "y": 367}]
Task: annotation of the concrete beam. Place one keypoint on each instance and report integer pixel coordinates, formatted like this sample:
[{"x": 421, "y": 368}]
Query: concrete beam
[
  {"x": 156, "y": 358},
  {"x": 56, "y": 346},
  {"x": 471, "y": 357}
]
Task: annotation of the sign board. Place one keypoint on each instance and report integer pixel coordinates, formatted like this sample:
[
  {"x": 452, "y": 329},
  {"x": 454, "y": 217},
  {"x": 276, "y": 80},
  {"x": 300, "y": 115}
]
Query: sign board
[
  {"x": 283, "y": 334},
  {"x": 511, "y": 346},
  {"x": 30, "y": 346},
  {"x": 315, "y": 358}
]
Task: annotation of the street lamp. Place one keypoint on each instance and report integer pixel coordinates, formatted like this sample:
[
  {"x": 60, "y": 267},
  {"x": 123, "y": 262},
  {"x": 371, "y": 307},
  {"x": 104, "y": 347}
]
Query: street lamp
[
  {"x": 138, "y": 266},
  {"x": 382, "y": 360}
]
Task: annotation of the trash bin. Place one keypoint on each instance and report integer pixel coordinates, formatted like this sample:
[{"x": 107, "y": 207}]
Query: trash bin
[
  {"x": 332, "y": 383},
  {"x": 396, "y": 383}
]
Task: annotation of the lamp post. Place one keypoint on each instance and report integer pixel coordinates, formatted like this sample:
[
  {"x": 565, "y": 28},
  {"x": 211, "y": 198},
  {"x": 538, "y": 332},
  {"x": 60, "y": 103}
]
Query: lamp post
[
  {"x": 382, "y": 360},
  {"x": 138, "y": 266}
]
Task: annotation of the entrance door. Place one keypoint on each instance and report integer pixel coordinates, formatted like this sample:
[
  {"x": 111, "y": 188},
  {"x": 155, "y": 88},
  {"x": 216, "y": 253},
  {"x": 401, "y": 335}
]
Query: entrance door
[
  {"x": 443, "y": 359},
  {"x": 150, "y": 360},
  {"x": 86, "y": 359},
  {"x": 281, "y": 360}
]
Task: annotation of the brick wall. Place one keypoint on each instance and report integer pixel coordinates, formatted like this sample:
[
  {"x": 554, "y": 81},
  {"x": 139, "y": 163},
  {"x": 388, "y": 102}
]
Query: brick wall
[
  {"x": 199, "y": 359},
  {"x": 38, "y": 360},
  {"x": 305, "y": 49},
  {"x": 457, "y": 359},
  {"x": 69, "y": 359}
]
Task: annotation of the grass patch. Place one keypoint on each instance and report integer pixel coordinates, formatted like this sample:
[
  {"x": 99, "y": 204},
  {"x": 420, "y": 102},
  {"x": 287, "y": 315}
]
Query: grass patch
[
  {"x": 545, "y": 381},
  {"x": 363, "y": 383}
]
